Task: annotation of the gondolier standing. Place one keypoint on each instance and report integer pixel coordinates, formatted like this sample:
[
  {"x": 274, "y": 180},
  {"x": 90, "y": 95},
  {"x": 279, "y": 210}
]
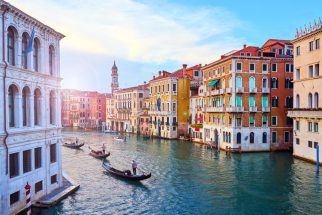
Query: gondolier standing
[
  {"x": 134, "y": 166},
  {"x": 103, "y": 148}
]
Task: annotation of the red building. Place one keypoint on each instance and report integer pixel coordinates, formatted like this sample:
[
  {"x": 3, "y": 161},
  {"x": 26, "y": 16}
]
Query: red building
[{"x": 85, "y": 109}]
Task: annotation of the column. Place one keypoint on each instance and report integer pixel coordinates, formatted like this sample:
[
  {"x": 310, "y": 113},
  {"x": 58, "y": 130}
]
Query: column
[
  {"x": 18, "y": 50},
  {"x": 18, "y": 112},
  {"x": 31, "y": 111},
  {"x": 43, "y": 111},
  {"x": 30, "y": 60}
]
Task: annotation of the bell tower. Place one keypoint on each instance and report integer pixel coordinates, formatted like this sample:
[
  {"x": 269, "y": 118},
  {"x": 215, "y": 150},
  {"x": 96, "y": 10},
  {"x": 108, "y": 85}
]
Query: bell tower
[{"x": 115, "y": 81}]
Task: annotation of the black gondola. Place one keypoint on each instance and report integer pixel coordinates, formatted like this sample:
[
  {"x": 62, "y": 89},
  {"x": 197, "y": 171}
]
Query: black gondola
[
  {"x": 99, "y": 154},
  {"x": 125, "y": 174},
  {"x": 73, "y": 145}
]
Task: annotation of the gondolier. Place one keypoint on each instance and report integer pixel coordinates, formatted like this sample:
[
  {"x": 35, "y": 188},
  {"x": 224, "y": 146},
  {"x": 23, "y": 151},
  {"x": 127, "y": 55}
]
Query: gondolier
[
  {"x": 134, "y": 166},
  {"x": 103, "y": 148}
]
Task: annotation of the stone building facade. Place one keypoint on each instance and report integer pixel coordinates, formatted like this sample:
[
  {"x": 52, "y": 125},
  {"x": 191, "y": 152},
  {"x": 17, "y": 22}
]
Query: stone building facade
[
  {"x": 307, "y": 112},
  {"x": 239, "y": 91},
  {"x": 30, "y": 121}
]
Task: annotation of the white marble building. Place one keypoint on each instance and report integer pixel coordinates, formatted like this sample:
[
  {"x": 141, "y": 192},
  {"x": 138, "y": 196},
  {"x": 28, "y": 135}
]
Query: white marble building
[{"x": 30, "y": 122}]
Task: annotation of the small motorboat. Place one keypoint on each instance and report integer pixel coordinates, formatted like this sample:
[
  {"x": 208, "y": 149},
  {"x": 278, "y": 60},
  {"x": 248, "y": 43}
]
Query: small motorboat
[
  {"x": 108, "y": 131},
  {"x": 74, "y": 145},
  {"x": 124, "y": 174},
  {"x": 98, "y": 154},
  {"x": 120, "y": 139}
]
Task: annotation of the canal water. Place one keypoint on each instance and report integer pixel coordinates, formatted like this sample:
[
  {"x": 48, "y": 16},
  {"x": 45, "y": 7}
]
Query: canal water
[{"x": 187, "y": 179}]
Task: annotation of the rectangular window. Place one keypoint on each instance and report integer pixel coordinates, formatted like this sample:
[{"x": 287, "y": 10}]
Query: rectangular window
[
  {"x": 196, "y": 73},
  {"x": 298, "y": 51},
  {"x": 230, "y": 67},
  {"x": 264, "y": 120},
  {"x": 310, "y": 71},
  {"x": 238, "y": 101},
  {"x": 311, "y": 46},
  {"x": 38, "y": 186},
  {"x": 252, "y": 67},
  {"x": 264, "y": 68},
  {"x": 317, "y": 43},
  {"x": 239, "y": 66},
  {"x": 53, "y": 179},
  {"x": 274, "y": 67},
  {"x": 287, "y": 137},
  {"x": 53, "y": 155},
  {"x": 174, "y": 88},
  {"x": 252, "y": 120},
  {"x": 274, "y": 137},
  {"x": 297, "y": 125},
  {"x": 274, "y": 120},
  {"x": 316, "y": 70},
  {"x": 14, "y": 164},
  {"x": 174, "y": 128},
  {"x": 309, "y": 144},
  {"x": 287, "y": 67},
  {"x": 26, "y": 161},
  {"x": 251, "y": 101},
  {"x": 309, "y": 126},
  {"x": 174, "y": 107},
  {"x": 297, "y": 75},
  {"x": 297, "y": 141},
  {"x": 315, "y": 144},
  {"x": 168, "y": 87},
  {"x": 264, "y": 101},
  {"x": 280, "y": 51},
  {"x": 14, "y": 197},
  {"x": 316, "y": 127}
]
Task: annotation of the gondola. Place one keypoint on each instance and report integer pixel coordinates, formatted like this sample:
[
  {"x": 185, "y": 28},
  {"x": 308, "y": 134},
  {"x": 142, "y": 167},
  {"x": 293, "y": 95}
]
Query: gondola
[
  {"x": 98, "y": 154},
  {"x": 120, "y": 139},
  {"x": 125, "y": 174},
  {"x": 110, "y": 132},
  {"x": 73, "y": 145}
]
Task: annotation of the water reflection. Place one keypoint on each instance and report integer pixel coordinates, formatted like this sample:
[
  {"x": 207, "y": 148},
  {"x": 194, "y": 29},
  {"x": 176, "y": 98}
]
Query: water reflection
[{"x": 187, "y": 178}]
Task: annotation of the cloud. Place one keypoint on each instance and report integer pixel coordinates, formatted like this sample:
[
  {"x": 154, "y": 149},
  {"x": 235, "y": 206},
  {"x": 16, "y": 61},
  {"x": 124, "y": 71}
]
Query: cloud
[{"x": 142, "y": 32}]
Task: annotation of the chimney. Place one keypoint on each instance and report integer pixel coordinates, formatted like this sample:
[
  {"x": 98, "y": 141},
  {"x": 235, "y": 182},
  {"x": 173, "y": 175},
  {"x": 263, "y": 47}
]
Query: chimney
[
  {"x": 159, "y": 73},
  {"x": 153, "y": 76},
  {"x": 184, "y": 68},
  {"x": 144, "y": 82},
  {"x": 245, "y": 45}
]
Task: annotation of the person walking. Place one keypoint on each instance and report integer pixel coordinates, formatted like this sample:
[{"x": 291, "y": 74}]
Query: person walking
[{"x": 134, "y": 166}]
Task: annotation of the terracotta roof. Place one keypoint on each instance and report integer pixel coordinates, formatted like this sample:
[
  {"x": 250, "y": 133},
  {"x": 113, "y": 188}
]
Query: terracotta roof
[
  {"x": 274, "y": 41},
  {"x": 178, "y": 73}
]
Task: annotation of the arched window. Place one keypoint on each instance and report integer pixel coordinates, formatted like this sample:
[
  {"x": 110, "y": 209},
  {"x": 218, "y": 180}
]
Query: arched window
[
  {"x": 238, "y": 138},
  {"x": 239, "y": 82},
  {"x": 36, "y": 54},
  {"x": 224, "y": 136},
  {"x": 264, "y": 138},
  {"x": 24, "y": 47},
  {"x": 316, "y": 100},
  {"x": 37, "y": 107},
  {"x": 52, "y": 108},
  {"x": 265, "y": 83},
  {"x": 251, "y": 83},
  {"x": 251, "y": 137},
  {"x": 274, "y": 101},
  {"x": 26, "y": 106},
  {"x": 310, "y": 100},
  {"x": 51, "y": 60},
  {"x": 11, "y": 46},
  {"x": 297, "y": 102},
  {"x": 13, "y": 106}
]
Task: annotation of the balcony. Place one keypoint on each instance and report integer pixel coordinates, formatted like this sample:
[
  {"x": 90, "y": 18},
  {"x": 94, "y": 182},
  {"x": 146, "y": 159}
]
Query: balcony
[
  {"x": 265, "y": 90},
  {"x": 239, "y": 89},
  {"x": 253, "y": 90},
  {"x": 222, "y": 91},
  {"x": 215, "y": 109},
  {"x": 214, "y": 92},
  {"x": 235, "y": 109},
  {"x": 253, "y": 109},
  {"x": 229, "y": 90},
  {"x": 175, "y": 124},
  {"x": 265, "y": 109}
]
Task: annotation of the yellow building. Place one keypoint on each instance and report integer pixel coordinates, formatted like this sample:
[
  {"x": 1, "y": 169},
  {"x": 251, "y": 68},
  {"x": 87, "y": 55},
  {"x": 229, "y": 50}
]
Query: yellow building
[{"x": 169, "y": 102}]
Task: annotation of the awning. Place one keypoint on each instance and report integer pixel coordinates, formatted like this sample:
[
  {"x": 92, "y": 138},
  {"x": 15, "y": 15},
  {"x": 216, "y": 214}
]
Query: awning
[{"x": 213, "y": 82}]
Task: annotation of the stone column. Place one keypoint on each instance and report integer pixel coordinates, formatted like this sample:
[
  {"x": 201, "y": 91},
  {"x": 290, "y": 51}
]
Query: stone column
[
  {"x": 43, "y": 110},
  {"x": 30, "y": 60},
  {"x": 18, "y": 112},
  {"x": 31, "y": 111},
  {"x": 18, "y": 53},
  {"x": 58, "y": 112}
]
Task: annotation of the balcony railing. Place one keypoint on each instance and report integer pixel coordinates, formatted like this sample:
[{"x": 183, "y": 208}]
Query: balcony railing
[
  {"x": 265, "y": 90},
  {"x": 253, "y": 90},
  {"x": 215, "y": 109},
  {"x": 239, "y": 89},
  {"x": 253, "y": 109},
  {"x": 265, "y": 109},
  {"x": 229, "y": 90},
  {"x": 235, "y": 109},
  {"x": 214, "y": 92}
]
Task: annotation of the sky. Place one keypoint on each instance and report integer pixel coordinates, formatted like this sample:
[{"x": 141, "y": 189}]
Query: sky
[{"x": 145, "y": 36}]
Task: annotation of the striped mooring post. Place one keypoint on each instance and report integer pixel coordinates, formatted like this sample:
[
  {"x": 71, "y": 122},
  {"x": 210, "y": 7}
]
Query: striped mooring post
[{"x": 28, "y": 202}]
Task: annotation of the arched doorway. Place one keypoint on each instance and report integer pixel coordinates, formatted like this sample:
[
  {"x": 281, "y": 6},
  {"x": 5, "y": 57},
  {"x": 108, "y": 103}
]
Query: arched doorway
[{"x": 216, "y": 135}]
